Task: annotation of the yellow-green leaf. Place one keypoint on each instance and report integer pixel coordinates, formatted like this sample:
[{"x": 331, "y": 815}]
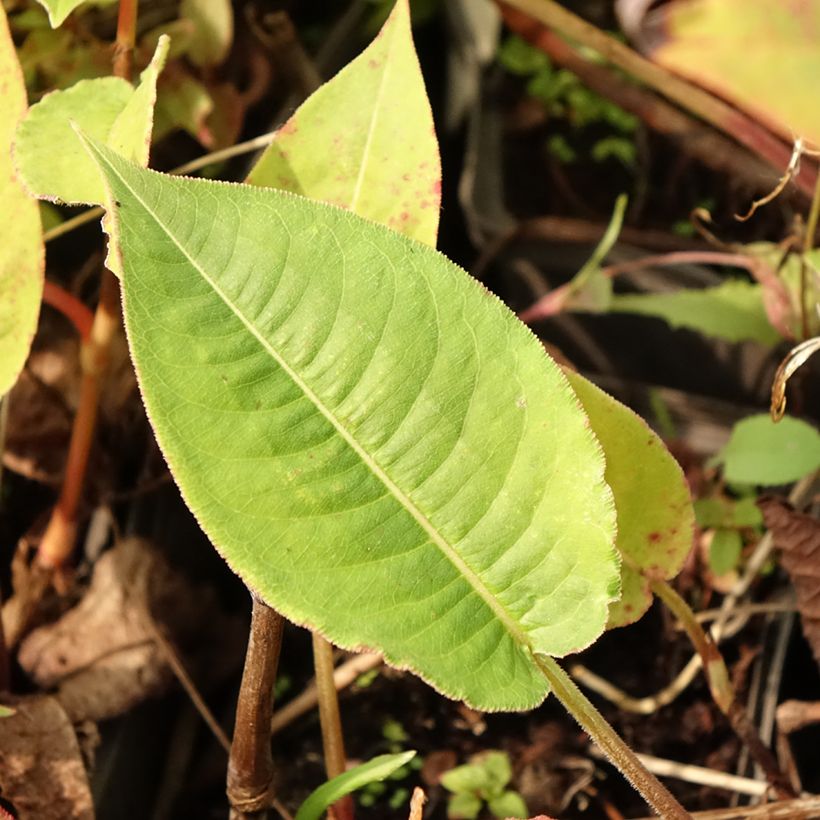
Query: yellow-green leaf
[
  {"x": 655, "y": 515},
  {"x": 762, "y": 54},
  {"x": 52, "y": 162},
  {"x": 366, "y": 140},
  {"x": 22, "y": 255}
]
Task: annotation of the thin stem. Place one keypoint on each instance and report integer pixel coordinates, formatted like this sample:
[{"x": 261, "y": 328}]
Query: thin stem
[
  {"x": 250, "y": 765},
  {"x": 593, "y": 723},
  {"x": 720, "y": 685},
  {"x": 808, "y": 244},
  {"x": 330, "y": 720},
  {"x": 126, "y": 37},
  {"x": 709, "y": 108},
  {"x": 71, "y": 307},
  {"x": 58, "y": 540}
]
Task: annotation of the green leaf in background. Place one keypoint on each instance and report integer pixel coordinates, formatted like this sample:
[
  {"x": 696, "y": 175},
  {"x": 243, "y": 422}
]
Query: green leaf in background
[
  {"x": 508, "y": 804},
  {"x": 467, "y": 779},
  {"x": 724, "y": 551},
  {"x": 732, "y": 311},
  {"x": 7, "y": 711},
  {"x": 183, "y": 102},
  {"x": 370, "y": 438},
  {"x": 715, "y": 512},
  {"x": 23, "y": 258},
  {"x": 498, "y": 771},
  {"x": 464, "y": 806},
  {"x": 213, "y": 30},
  {"x": 655, "y": 516},
  {"x": 761, "y": 451},
  {"x": 49, "y": 156},
  {"x": 58, "y": 10},
  {"x": 328, "y": 793},
  {"x": 366, "y": 140},
  {"x": 761, "y": 54}
]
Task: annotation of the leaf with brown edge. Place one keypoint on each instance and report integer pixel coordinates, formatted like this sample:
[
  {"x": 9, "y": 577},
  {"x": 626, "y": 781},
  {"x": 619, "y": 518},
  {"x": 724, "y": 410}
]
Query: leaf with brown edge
[{"x": 797, "y": 535}]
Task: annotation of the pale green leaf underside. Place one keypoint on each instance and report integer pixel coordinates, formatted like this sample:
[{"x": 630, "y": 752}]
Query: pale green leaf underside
[
  {"x": 21, "y": 239},
  {"x": 366, "y": 140},
  {"x": 373, "y": 442},
  {"x": 50, "y": 158},
  {"x": 655, "y": 515},
  {"x": 732, "y": 311}
]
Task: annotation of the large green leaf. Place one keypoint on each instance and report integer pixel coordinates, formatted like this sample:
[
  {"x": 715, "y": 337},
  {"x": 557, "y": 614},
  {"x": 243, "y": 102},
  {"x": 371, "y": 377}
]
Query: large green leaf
[
  {"x": 733, "y": 310},
  {"x": 372, "y": 441},
  {"x": 761, "y": 451},
  {"x": 655, "y": 515},
  {"x": 22, "y": 258},
  {"x": 366, "y": 139},
  {"x": 50, "y": 157}
]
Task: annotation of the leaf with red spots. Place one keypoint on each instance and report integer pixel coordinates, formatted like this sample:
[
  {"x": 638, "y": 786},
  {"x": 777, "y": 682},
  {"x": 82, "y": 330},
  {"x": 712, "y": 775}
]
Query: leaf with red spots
[
  {"x": 365, "y": 140},
  {"x": 655, "y": 515},
  {"x": 23, "y": 256}
]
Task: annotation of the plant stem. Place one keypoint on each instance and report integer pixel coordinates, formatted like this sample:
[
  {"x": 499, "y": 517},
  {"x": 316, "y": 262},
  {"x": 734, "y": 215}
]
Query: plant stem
[
  {"x": 71, "y": 307},
  {"x": 808, "y": 244},
  {"x": 58, "y": 540},
  {"x": 126, "y": 38},
  {"x": 330, "y": 720},
  {"x": 594, "y": 724},
  {"x": 709, "y": 108},
  {"x": 720, "y": 685},
  {"x": 250, "y": 765}
]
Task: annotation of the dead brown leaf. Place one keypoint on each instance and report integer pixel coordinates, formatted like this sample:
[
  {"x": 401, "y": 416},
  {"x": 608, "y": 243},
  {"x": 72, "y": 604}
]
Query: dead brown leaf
[
  {"x": 103, "y": 657},
  {"x": 41, "y": 767},
  {"x": 798, "y": 536}
]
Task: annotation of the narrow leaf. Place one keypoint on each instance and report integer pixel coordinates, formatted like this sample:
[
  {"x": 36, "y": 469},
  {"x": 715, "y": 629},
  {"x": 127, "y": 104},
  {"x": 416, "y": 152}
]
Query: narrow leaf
[
  {"x": 328, "y": 793},
  {"x": 366, "y": 140},
  {"x": 761, "y": 451},
  {"x": 370, "y": 438},
  {"x": 23, "y": 258},
  {"x": 655, "y": 515},
  {"x": 50, "y": 157},
  {"x": 733, "y": 311}
]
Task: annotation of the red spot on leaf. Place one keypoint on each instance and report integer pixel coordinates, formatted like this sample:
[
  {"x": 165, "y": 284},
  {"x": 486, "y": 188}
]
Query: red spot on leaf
[
  {"x": 290, "y": 127},
  {"x": 654, "y": 537},
  {"x": 436, "y": 187}
]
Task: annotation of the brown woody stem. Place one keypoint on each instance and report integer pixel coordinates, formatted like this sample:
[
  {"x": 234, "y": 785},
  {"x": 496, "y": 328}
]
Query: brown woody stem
[{"x": 250, "y": 765}]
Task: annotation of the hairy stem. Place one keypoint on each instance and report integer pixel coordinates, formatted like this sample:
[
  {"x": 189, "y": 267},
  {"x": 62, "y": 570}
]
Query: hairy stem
[
  {"x": 720, "y": 685},
  {"x": 593, "y": 723},
  {"x": 709, "y": 108},
  {"x": 330, "y": 720},
  {"x": 250, "y": 765}
]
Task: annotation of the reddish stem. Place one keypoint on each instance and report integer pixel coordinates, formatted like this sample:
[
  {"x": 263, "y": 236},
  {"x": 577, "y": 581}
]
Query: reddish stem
[{"x": 71, "y": 307}]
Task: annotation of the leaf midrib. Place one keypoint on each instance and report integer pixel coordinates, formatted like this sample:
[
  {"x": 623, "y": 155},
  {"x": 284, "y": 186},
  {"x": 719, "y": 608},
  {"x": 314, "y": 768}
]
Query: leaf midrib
[
  {"x": 373, "y": 120},
  {"x": 406, "y": 502}
]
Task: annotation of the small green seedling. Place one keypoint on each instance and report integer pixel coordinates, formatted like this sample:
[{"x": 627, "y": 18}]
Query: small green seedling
[{"x": 483, "y": 781}]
